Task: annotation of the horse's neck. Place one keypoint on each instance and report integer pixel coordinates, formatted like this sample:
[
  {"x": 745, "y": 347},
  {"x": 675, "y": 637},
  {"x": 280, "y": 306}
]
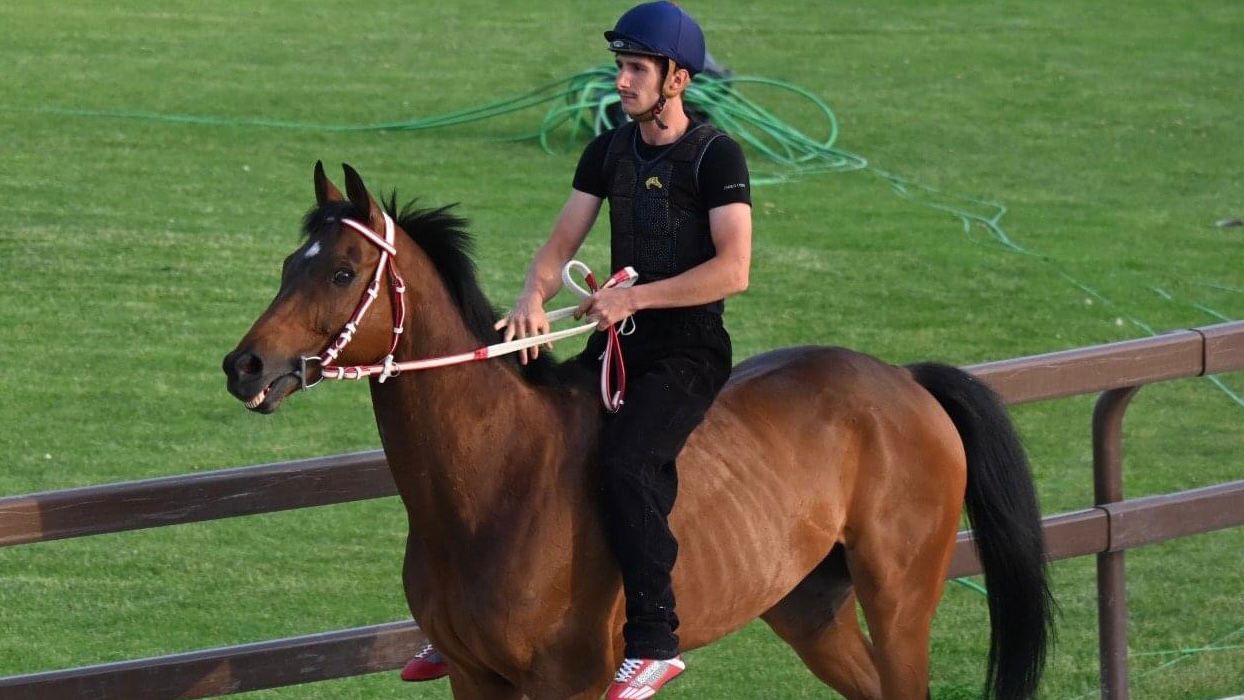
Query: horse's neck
[{"x": 460, "y": 440}]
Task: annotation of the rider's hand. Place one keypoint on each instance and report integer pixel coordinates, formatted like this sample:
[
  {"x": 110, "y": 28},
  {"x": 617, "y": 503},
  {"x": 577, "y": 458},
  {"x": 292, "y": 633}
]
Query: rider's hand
[
  {"x": 527, "y": 319},
  {"x": 608, "y": 306}
]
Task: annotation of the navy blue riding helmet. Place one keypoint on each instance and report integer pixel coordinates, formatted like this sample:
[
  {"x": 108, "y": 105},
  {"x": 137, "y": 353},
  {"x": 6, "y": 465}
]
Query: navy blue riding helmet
[{"x": 660, "y": 29}]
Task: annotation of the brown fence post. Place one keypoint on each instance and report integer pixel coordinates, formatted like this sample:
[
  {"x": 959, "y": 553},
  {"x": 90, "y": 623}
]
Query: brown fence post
[{"x": 1111, "y": 577}]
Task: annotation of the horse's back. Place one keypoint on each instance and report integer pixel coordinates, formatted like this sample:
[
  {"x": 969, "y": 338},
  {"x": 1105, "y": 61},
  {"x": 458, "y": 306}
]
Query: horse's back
[
  {"x": 823, "y": 398},
  {"x": 802, "y": 374}
]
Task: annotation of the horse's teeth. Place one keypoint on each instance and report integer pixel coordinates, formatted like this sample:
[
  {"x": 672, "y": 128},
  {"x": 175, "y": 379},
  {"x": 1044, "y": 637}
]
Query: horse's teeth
[{"x": 258, "y": 399}]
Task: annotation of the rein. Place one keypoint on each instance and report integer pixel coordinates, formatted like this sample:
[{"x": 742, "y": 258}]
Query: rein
[{"x": 612, "y": 371}]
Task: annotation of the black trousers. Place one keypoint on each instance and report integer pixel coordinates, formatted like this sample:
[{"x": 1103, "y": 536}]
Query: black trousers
[{"x": 677, "y": 361}]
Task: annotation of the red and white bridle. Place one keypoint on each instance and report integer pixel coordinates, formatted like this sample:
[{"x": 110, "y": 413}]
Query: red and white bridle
[{"x": 613, "y": 369}]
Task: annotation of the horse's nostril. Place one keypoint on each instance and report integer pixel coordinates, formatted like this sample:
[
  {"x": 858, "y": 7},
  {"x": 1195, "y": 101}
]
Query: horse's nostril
[{"x": 247, "y": 363}]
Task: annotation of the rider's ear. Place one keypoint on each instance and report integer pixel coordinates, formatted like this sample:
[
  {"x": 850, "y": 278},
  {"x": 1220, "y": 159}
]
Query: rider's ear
[
  {"x": 325, "y": 190},
  {"x": 677, "y": 81},
  {"x": 359, "y": 197}
]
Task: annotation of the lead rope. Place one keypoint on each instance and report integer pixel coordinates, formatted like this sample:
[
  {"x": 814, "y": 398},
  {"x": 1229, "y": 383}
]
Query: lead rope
[{"x": 612, "y": 366}]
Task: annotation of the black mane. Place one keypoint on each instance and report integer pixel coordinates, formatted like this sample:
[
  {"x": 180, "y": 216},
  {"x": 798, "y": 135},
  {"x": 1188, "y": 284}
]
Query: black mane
[{"x": 444, "y": 239}]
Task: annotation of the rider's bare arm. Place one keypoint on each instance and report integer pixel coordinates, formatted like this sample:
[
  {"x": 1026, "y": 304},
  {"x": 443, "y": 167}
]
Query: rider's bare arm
[
  {"x": 721, "y": 276},
  {"x": 544, "y": 276}
]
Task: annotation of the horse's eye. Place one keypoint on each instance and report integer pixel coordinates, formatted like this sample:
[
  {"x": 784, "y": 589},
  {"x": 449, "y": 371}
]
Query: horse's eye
[{"x": 343, "y": 277}]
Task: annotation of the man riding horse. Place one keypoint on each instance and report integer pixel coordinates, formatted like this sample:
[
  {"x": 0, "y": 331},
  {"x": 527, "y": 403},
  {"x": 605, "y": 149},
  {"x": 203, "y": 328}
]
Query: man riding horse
[{"x": 680, "y": 215}]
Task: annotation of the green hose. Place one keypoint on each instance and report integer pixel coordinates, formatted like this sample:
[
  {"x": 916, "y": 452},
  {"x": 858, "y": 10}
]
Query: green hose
[{"x": 582, "y": 103}]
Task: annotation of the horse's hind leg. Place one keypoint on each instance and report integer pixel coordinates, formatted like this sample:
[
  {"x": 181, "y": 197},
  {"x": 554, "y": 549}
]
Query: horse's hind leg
[
  {"x": 818, "y": 620},
  {"x": 898, "y": 573}
]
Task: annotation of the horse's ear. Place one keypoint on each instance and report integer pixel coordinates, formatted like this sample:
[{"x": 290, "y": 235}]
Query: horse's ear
[
  {"x": 359, "y": 197},
  {"x": 325, "y": 190}
]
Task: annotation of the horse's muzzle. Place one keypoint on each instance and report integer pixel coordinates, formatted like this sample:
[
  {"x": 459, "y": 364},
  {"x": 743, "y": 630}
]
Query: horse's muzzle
[{"x": 260, "y": 385}]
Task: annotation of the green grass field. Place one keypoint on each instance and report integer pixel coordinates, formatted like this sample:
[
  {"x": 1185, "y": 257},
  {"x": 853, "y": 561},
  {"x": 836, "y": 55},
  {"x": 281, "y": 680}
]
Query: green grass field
[{"x": 135, "y": 252}]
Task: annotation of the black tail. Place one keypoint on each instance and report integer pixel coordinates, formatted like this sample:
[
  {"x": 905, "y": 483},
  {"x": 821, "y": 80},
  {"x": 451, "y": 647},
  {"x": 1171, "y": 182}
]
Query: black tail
[{"x": 1002, "y": 508}]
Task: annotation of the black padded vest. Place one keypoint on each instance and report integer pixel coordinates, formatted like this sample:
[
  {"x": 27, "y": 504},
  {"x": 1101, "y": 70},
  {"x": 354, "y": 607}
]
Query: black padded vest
[{"x": 657, "y": 222}]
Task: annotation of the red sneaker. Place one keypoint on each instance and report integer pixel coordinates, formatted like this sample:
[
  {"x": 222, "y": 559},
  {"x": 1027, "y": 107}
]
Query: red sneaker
[
  {"x": 642, "y": 678},
  {"x": 428, "y": 665}
]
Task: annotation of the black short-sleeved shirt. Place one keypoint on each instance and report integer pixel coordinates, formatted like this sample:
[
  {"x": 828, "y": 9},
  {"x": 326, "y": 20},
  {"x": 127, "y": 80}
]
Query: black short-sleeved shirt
[{"x": 723, "y": 171}]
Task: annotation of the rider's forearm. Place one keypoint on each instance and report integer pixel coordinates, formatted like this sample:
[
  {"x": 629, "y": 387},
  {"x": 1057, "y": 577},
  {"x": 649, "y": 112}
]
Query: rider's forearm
[
  {"x": 544, "y": 277},
  {"x": 576, "y": 218},
  {"x": 716, "y": 278}
]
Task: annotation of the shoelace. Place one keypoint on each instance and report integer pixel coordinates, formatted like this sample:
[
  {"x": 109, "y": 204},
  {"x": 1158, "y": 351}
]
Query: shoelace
[
  {"x": 426, "y": 651},
  {"x": 628, "y": 669}
]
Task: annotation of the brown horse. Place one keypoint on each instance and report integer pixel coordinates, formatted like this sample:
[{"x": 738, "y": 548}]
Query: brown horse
[{"x": 820, "y": 476}]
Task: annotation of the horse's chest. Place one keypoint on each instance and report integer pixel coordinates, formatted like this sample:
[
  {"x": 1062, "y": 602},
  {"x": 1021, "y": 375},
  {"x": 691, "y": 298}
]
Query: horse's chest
[
  {"x": 498, "y": 613},
  {"x": 498, "y": 633}
]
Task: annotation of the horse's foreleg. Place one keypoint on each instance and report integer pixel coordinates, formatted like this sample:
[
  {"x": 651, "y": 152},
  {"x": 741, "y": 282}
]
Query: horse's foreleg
[
  {"x": 577, "y": 668},
  {"x": 481, "y": 687}
]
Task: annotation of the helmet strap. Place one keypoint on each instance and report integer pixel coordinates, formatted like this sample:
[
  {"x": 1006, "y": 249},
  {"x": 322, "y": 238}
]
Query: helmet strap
[{"x": 656, "y": 113}]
